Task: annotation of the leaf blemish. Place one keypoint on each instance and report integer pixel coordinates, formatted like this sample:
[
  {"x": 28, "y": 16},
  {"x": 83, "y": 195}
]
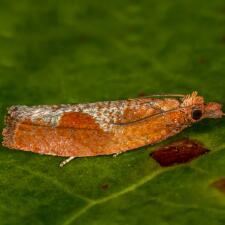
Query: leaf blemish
[
  {"x": 104, "y": 187},
  {"x": 142, "y": 94},
  {"x": 202, "y": 60},
  {"x": 219, "y": 185},
  {"x": 178, "y": 152},
  {"x": 223, "y": 39}
]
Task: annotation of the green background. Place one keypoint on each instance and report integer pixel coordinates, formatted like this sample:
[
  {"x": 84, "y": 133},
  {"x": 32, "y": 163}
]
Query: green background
[{"x": 84, "y": 51}]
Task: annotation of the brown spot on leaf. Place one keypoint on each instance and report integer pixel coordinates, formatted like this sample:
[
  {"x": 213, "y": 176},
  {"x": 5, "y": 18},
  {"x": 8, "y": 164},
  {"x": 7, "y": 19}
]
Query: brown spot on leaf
[
  {"x": 178, "y": 152},
  {"x": 223, "y": 39},
  {"x": 104, "y": 187},
  {"x": 83, "y": 38},
  {"x": 142, "y": 94},
  {"x": 219, "y": 185},
  {"x": 202, "y": 60}
]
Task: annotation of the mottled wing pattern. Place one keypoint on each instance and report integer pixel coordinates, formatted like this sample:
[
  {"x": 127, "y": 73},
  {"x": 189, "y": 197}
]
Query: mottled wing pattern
[{"x": 93, "y": 115}]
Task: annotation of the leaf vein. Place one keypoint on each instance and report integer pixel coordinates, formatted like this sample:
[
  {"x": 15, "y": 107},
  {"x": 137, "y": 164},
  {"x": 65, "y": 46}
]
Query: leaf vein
[{"x": 128, "y": 189}]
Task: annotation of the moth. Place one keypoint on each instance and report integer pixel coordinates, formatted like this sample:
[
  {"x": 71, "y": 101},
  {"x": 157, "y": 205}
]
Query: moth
[{"x": 103, "y": 128}]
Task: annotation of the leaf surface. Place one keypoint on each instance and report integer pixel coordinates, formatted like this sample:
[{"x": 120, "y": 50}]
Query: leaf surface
[{"x": 85, "y": 51}]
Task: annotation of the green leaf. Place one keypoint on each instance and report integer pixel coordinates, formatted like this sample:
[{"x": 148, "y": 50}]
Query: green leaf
[{"x": 65, "y": 52}]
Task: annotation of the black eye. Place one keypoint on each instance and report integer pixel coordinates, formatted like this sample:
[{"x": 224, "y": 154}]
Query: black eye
[{"x": 196, "y": 114}]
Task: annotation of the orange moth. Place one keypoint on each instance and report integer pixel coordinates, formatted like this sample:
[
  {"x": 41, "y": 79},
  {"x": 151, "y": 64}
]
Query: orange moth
[{"x": 103, "y": 128}]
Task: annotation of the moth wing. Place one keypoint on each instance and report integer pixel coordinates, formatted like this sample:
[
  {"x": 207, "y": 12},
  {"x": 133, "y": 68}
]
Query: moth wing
[
  {"x": 100, "y": 115},
  {"x": 77, "y": 130}
]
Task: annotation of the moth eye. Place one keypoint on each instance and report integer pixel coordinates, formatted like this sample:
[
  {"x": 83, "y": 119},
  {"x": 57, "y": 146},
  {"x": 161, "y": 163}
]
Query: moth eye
[{"x": 196, "y": 114}]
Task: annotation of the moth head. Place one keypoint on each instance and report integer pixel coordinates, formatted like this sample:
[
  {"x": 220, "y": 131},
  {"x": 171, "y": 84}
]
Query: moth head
[
  {"x": 198, "y": 109},
  {"x": 213, "y": 110}
]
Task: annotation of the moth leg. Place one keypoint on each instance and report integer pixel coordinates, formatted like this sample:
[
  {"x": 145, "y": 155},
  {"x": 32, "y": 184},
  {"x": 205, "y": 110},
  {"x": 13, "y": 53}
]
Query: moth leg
[
  {"x": 116, "y": 154},
  {"x": 64, "y": 162}
]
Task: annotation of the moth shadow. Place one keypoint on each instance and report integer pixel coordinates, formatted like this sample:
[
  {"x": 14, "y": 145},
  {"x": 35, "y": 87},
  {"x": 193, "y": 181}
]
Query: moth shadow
[{"x": 208, "y": 125}]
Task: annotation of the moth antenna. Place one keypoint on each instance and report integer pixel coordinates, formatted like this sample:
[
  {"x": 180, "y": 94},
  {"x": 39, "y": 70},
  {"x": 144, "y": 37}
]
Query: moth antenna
[
  {"x": 167, "y": 95},
  {"x": 159, "y": 96},
  {"x": 163, "y": 95}
]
